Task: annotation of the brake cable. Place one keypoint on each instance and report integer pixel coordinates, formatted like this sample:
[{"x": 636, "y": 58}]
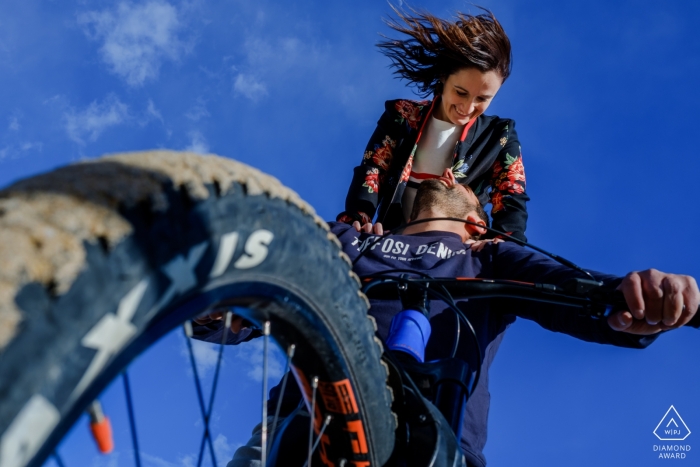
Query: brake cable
[{"x": 385, "y": 275}]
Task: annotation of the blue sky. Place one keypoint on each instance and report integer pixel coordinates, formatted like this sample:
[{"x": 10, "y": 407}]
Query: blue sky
[{"x": 604, "y": 96}]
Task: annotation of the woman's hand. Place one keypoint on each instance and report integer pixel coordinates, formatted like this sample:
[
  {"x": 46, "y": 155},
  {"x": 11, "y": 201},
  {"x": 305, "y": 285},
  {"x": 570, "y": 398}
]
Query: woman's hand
[{"x": 478, "y": 245}]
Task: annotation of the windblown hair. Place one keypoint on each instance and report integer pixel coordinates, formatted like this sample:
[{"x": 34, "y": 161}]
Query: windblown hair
[
  {"x": 450, "y": 201},
  {"x": 436, "y": 48}
]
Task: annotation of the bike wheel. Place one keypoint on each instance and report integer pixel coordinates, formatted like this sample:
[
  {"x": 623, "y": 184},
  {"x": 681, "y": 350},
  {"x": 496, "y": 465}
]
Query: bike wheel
[{"x": 100, "y": 259}]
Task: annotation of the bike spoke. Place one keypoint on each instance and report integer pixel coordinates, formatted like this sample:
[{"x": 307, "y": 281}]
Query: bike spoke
[
  {"x": 188, "y": 334},
  {"x": 206, "y": 412},
  {"x": 314, "y": 386},
  {"x": 266, "y": 339},
  {"x": 215, "y": 384},
  {"x": 132, "y": 421},
  {"x": 290, "y": 355},
  {"x": 201, "y": 447},
  {"x": 326, "y": 422}
]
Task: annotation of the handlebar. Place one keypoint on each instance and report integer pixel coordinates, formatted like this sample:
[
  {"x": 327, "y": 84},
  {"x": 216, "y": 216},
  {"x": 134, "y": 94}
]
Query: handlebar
[{"x": 589, "y": 296}]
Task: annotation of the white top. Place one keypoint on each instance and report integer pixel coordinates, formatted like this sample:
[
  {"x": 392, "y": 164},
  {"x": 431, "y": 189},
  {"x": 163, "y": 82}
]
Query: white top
[{"x": 433, "y": 155}]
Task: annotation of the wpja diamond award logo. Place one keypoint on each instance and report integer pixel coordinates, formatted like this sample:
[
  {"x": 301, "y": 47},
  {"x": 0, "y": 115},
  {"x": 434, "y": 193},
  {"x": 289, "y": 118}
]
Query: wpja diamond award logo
[{"x": 672, "y": 428}]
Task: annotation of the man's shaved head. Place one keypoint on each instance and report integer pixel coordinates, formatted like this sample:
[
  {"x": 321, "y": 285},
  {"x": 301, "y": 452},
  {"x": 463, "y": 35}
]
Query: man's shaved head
[{"x": 450, "y": 199}]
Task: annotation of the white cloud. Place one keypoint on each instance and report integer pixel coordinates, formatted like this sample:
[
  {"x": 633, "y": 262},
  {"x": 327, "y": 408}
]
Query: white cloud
[
  {"x": 136, "y": 39},
  {"x": 14, "y": 124},
  {"x": 91, "y": 122},
  {"x": 198, "y": 111},
  {"x": 155, "y": 461},
  {"x": 250, "y": 87},
  {"x": 153, "y": 112},
  {"x": 251, "y": 353},
  {"x": 31, "y": 146},
  {"x": 285, "y": 52},
  {"x": 279, "y": 60},
  {"x": 198, "y": 144},
  {"x": 106, "y": 460},
  {"x": 223, "y": 449},
  {"x": 205, "y": 355},
  {"x": 15, "y": 151}
]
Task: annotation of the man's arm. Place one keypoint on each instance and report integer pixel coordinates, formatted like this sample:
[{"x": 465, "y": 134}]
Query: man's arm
[{"x": 651, "y": 295}]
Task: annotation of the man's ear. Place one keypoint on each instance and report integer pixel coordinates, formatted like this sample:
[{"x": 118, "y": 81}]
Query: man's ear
[{"x": 474, "y": 230}]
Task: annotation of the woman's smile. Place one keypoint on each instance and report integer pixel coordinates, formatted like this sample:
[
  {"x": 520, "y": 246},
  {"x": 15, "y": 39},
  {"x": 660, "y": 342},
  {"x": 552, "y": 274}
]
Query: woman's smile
[{"x": 466, "y": 94}]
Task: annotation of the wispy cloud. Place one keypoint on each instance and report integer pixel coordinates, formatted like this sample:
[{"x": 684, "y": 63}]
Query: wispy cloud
[
  {"x": 198, "y": 111},
  {"x": 267, "y": 64},
  {"x": 252, "y": 354},
  {"x": 108, "y": 460},
  {"x": 153, "y": 112},
  {"x": 15, "y": 151},
  {"x": 198, "y": 143},
  {"x": 31, "y": 146},
  {"x": 96, "y": 118},
  {"x": 272, "y": 58},
  {"x": 248, "y": 357},
  {"x": 248, "y": 86},
  {"x": 223, "y": 449},
  {"x": 136, "y": 39},
  {"x": 14, "y": 124},
  {"x": 205, "y": 355},
  {"x": 155, "y": 461},
  {"x": 285, "y": 52}
]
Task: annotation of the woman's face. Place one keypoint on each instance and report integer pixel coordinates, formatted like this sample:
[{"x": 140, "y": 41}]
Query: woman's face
[{"x": 466, "y": 94}]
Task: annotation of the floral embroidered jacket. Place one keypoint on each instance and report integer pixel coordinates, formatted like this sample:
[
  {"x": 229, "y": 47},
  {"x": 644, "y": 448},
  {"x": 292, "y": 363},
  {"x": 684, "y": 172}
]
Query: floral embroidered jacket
[{"x": 488, "y": 159}]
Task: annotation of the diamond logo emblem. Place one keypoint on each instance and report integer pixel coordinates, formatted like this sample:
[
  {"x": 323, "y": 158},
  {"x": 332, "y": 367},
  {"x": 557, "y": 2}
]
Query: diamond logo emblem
[{"x": 672, "y": 427}]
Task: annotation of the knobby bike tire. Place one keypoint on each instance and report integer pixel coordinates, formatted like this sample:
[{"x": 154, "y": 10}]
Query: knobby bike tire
[{"x": 101, "y": 258}]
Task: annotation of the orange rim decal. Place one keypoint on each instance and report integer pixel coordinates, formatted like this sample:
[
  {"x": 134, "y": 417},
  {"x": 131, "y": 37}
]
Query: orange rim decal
[
  {"x": 338, "y": 397},
  {"x": 359, "y": 442}
]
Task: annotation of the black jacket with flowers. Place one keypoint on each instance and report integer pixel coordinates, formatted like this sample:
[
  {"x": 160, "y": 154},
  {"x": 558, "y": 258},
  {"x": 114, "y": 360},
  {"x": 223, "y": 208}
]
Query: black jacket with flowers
[{"x": 489, "y": 160}]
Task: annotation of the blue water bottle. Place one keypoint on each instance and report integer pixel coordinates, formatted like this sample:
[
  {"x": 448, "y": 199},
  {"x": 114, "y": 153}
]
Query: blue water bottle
[{"x": 410, "y": 329}]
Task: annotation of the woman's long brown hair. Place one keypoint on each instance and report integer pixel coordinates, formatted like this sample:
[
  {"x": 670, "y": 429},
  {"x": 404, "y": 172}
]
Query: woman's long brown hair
[{"x": 436, "y": 48}]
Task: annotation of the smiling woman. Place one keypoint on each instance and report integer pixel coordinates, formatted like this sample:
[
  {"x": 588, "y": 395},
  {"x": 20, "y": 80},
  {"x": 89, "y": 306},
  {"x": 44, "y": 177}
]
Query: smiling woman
[{"x": 463, "y": 63}]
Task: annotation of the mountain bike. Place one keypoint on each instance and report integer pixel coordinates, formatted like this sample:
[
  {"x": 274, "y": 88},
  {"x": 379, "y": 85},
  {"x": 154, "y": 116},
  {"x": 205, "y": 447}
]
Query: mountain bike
[{"x": 102, "y": 258}]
